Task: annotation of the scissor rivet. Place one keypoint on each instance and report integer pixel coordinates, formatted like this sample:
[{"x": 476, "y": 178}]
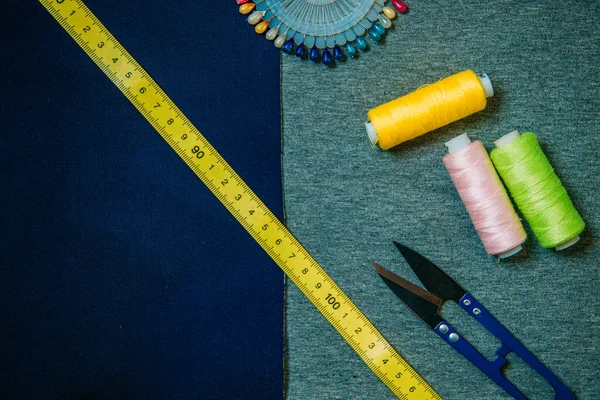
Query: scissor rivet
[
  {"x": 453, "y": 337},
  {"x": 444, "y": 329},
  {"x": 467, "y": 302},
  {"x": 476, "y": 311}
]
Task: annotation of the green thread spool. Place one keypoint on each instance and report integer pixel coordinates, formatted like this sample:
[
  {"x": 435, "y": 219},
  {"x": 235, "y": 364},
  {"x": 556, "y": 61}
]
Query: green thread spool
[{"x": 537, "y": 190}]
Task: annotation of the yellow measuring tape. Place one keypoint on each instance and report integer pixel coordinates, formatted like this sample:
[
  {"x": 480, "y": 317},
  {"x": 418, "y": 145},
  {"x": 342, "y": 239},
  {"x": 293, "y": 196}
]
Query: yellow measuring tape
[{"x": 238, "y": 198}]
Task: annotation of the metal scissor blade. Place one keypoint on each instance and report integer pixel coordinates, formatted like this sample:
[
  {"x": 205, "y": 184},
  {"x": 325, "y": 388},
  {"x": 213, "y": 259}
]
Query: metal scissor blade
[
  {"x": 424, "y": 304},
  {"x": 433, "y": 278}
]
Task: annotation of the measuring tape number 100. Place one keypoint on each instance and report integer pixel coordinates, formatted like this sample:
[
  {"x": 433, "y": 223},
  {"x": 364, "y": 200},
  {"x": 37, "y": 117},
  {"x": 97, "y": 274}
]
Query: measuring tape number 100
[{"x": 137, "y": 85}]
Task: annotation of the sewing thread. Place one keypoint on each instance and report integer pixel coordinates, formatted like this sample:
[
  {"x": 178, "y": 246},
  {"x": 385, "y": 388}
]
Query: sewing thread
[
  {"x": 537, "y": 190},
  {"x": 484, "y": 197},
  {"x": 428, "y": 108}
]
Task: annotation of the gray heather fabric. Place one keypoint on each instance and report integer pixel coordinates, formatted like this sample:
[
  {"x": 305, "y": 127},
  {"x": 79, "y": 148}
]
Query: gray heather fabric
[{"x": 346, "y": 202}]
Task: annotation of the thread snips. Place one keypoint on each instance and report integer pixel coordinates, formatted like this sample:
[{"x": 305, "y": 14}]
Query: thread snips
[{"x": 427, "y": 305}]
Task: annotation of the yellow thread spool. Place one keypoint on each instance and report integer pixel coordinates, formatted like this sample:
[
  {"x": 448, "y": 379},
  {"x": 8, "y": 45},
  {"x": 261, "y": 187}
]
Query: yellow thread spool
[{"x": 428, "y": 108}]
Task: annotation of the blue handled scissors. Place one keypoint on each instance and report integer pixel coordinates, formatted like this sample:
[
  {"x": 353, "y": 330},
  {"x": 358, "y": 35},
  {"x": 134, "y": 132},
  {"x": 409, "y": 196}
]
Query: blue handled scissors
[{"x": 427, "y": 305}]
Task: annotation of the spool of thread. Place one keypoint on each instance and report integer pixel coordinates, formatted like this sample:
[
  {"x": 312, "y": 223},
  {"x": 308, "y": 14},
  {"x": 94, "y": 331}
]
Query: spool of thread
[
  {"x": 428, "y": 108},
  {"x": 537, "y": 191},
  {"x": 484, "y": 196}
]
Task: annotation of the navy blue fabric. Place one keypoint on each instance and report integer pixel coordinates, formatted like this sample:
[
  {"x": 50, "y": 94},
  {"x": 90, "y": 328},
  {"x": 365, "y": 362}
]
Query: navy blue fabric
[{"x": 122, "y": 276}]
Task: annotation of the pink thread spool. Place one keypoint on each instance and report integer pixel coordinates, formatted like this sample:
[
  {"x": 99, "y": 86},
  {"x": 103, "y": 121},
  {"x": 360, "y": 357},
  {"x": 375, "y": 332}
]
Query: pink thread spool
[{"x": 484, "y": 196}]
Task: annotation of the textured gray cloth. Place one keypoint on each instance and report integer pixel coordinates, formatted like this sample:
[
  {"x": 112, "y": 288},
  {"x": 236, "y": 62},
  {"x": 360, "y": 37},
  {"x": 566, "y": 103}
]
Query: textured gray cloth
[{"x": 346, "y": 202}]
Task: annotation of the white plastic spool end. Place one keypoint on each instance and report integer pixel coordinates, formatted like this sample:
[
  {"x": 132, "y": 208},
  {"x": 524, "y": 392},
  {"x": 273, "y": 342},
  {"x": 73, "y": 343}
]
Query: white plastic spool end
[
  {"x": 488, "y": 88},
  {"x": 567, "y": 244},
  {"x": 372, "y": 133},
  {"x": 507, "y": 139},
  {"x": 511, "y": 252},
  {"x": 458, "y": 143}
]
